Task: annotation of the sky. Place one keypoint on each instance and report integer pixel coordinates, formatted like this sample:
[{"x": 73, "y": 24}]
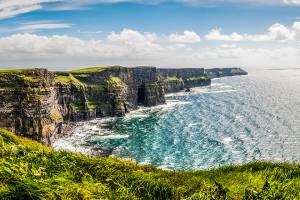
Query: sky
[{"x": 67, "y": 34}]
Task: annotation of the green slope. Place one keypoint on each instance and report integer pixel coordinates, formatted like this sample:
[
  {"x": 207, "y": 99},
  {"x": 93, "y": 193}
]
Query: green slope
[{"x": 29, "y": 170}]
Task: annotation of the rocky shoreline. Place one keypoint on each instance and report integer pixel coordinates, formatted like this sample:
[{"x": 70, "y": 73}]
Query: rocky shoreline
[{"x": 41, "y": 104}]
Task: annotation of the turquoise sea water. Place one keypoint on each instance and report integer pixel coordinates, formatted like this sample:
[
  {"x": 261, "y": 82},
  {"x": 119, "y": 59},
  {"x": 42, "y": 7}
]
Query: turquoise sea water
[{"x": 235, "y": 120}]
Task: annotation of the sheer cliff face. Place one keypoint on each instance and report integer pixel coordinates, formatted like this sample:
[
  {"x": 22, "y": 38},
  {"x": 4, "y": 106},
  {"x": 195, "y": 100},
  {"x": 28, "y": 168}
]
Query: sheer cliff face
[
  {"x": 37, "y": 103},
  {"x": 27, "y": 103}
]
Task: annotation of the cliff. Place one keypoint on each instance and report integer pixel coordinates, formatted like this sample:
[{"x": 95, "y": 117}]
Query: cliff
[
  {"x": 222, "y": 72},
  {"x": 37, "y": 103},
  {"x": 176, "y": 80},
  {"x": 27, "y": 103}
]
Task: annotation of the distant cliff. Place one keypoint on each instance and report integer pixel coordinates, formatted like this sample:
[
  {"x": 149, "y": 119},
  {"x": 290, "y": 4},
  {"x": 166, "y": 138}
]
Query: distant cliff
[
  {"x": 222, "y": 72},
  {"x": 176, "y": 80},
  {"x": 36, "y": 103}
]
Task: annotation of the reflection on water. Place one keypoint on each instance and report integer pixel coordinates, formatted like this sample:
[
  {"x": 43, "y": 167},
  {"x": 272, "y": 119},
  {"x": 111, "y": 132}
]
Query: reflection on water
[{"x": 236, "y": 120}]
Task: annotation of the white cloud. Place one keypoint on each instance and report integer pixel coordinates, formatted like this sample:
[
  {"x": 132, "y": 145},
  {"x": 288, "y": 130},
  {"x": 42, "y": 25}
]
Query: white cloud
[
  {"x": 128, "y": 35},
  {"x": 126, "y": 45},
  {"x": 131, "y": 47},
  {"x": 186, "y": 37},
  {"x": 134, "y": 43},
  {"x": 216, "y": 34},
  {"x": 291, "y": 2},
  {"x": 40, "y": 26},
  {"x": 11, "y": 8},
  {"x": 277, "y": 32},
  {"x": 296, "y": 30}
]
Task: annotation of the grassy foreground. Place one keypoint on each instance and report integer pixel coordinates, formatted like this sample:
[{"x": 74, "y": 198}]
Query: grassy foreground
[{"x": 29, "y": 170}]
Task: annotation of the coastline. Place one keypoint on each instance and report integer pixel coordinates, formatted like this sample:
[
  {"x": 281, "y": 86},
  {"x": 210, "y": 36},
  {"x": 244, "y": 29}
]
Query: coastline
[
  {"x": 45, "y": 101},
  {"x": 106, "y": 131}
]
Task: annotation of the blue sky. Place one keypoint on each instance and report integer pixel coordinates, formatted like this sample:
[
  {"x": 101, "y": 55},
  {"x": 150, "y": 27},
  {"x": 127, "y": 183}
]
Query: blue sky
[{"x": 185, "y": 33}]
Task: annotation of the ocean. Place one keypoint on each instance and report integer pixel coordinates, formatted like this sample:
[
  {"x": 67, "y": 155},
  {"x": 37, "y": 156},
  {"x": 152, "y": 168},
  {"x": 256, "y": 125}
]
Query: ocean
[{"x": 235, "y": 120}]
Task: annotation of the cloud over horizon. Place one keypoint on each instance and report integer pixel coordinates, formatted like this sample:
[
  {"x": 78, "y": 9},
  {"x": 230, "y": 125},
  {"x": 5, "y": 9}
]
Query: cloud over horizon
[
  {"x": 185, "y": 37},
  {"x": 276, "y": 32},
  {"x": 131, "y": 47}
]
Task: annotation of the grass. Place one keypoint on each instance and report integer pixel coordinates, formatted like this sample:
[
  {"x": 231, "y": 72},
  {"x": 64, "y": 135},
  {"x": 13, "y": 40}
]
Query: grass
[
  {"x": 113, "y": 82},
  {"x": 17, "y": 71},
  {"x": 173, "y": 79},
  {"x": 197, "y": 78},
  {"x": 68, "y": 79},
  {"x": 30, "y": 79},
  {"x": 24, "y": 75},
  {"x": 29, "y": 170},
  {"x": 88, "y": 70}
]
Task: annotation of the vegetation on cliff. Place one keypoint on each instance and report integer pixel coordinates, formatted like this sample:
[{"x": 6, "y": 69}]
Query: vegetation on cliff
[
  {"x": 22, "y": 77},
  {"x": 68, "y": 79},
  {"x": 29, "y": 170},
  {"x": 173, "y": 79},
  {"x": 91, "y": 70},
  {"x": 198, "y": 78},
  {"x": 113, "y": 82},
  {"x": 17, "y": 71},
  {"x": 88, "y": 70}
]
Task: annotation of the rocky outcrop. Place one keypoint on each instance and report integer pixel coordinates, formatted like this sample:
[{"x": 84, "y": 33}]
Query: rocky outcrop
[
  {"x": 222, "y": 72},
  {"x": 37, "y": 103}
]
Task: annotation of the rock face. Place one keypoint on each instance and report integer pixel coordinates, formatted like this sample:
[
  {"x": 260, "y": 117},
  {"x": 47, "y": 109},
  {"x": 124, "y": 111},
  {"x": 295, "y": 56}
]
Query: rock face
[
  {"x": 37, "y": 103},
  {"x": 27, "y": 103}
]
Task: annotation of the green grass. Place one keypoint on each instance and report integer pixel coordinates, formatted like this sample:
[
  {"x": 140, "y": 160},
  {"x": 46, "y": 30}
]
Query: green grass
[
  {"x": 17, "y": 71},
  {"x": 173, "y": 79},
  {"x": 114, "y": 82},
  {"x": 12, "y": 75},
  {"x": 29, "y": 170},
  {"x": 68, "y": 80},
  {"x": 30, "y": 79},
  {"x": 88, "y": 70},
  {"x": 198, "y": 78}
]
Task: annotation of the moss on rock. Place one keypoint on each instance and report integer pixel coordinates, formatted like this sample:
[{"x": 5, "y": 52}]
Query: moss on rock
[{"x": 113, "y": 82}]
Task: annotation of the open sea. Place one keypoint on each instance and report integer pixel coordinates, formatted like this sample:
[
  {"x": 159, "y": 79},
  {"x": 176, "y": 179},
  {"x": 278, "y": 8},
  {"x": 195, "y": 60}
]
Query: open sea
[{"x": 235, "y": 120}]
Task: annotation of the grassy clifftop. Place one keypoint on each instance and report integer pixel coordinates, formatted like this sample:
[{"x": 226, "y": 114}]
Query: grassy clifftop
[{"x": 29, "y": 170}]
